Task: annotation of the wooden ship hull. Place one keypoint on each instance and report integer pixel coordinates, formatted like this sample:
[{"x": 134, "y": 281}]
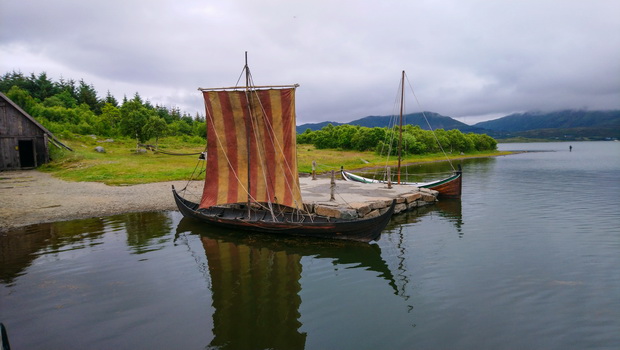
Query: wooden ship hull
[
  {"x": 450, "y": 187},
  {"x": 286, "y": 223}
]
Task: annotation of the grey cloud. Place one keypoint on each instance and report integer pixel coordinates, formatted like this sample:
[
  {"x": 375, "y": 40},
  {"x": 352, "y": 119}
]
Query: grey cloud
[{"x": 465, "y": 58}]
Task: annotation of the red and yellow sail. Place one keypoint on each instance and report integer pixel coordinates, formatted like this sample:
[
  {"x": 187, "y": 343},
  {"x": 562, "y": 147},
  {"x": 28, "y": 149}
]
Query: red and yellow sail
[{"x": 251, "y": 147}]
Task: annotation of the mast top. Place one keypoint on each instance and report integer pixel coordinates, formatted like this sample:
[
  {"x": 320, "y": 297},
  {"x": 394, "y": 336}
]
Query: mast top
[{"x": 251, "y": 87}]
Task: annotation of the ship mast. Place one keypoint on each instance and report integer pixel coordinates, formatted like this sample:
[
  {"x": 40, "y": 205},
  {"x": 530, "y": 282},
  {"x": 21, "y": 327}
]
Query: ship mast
[
  {"x": 400, "y": 137},
  {"x": 248, "y": 126}
]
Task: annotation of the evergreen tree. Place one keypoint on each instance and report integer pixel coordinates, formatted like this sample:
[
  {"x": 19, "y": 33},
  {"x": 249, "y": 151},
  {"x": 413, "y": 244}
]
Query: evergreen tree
[
  {"x": 42, "y": 87},
  {"x": 88, "y": 95},
  {"x": 68, "y": 86},
  {"x": 8, "y": 80},
  {"x": 109, "y": 99}
]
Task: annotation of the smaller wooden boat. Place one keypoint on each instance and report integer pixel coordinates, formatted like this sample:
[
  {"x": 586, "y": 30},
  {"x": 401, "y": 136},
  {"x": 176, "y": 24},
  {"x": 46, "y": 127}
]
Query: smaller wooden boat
[
  {"x": 449, "y": 187},
  {"x": 287, "y": 220}
]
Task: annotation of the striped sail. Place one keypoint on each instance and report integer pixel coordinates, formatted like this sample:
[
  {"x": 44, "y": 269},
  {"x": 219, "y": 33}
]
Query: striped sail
[{"x": 260, "y": 126}]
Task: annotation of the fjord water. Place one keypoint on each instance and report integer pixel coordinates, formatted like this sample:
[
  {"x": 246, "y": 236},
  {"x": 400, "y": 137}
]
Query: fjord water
[{"x": 528, "y": 258}]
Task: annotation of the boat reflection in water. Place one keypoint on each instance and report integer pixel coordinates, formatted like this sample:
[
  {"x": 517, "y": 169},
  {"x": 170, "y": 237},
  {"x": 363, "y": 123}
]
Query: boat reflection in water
[
  {"x": 255, "y": 283},
  {"x": 449, "y": 209},
  {"x": 105, "y": 275}
]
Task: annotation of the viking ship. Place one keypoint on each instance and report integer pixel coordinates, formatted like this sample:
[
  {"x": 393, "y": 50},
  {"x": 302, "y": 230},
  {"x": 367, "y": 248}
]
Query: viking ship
[
  {"x": 251, "y": 178},
  {"x": 448, "y": 187}
]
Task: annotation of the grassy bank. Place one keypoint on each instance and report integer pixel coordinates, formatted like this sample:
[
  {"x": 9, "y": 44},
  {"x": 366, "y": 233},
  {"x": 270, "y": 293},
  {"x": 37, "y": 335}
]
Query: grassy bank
[
  {"x": 330, "y": 159},
  {"x": 121, "y": 165}
]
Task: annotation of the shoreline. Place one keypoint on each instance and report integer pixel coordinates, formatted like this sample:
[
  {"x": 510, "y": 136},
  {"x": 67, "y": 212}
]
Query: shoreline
[
  {"x": 506, "y": 153},
  {"x": 30, "y": 197}
]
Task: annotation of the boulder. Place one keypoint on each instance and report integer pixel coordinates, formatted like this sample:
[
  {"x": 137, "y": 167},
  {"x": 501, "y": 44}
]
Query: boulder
[
  {"x": 399, "y": 208},
  {"x": 362, "y": 208},
  {"x": 380, "y": 204},
  {"x": 412, "y": 197},
  {"x": 335, "y": 212},
  {"x": 372, "y": 214}
]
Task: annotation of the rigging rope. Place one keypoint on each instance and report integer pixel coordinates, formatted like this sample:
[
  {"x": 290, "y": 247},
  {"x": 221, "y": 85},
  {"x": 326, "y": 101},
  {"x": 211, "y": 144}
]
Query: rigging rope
[
  {"x": 178, "y": 154},
  {"x": 191, "y": 178},
  {"x": 254, "y": 123},
  {"x": 274, "y": 212},
  {"x": 391, "y": 135},
  {"x": 429, "y": 124},
  {"x": 155, "y": 150},
  {"x": 274, "y": 141}
]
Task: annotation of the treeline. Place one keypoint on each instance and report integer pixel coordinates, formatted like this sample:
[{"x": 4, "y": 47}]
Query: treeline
[
  {"x": 384, "y": 140},
  {"x": 67, "y": 107}
]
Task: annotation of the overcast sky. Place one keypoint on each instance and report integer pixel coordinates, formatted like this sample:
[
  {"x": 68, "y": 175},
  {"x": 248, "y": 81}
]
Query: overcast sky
[{"x": 467, "y": 59}]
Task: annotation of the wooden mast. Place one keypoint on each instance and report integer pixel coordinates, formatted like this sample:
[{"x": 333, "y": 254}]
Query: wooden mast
[
  {"x": 400, "y": 137},
  {"x": 248, "y": 127}
]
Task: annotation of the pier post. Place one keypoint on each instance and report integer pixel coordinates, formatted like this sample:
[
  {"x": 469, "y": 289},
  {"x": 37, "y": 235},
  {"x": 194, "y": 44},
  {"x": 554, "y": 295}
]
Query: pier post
[
  {"x": 389, "y": 177},
  {"x": 314, "y": 170},
  {"x": 332, "y": 187}
]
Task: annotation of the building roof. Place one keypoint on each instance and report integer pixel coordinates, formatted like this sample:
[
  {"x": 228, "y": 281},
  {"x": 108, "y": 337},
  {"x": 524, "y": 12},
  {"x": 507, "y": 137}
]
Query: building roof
[{"x": 52, "y": 138}]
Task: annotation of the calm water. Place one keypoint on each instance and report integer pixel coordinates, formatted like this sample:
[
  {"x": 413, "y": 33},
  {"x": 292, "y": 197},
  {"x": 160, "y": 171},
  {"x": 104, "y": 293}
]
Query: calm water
[{"x": 528, "y": 259}]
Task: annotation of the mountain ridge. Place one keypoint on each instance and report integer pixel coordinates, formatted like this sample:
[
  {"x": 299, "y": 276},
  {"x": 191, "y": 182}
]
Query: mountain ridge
[
  {"x": 567, "y": 124},
  {"x": 436, "y": 120},
  {"x": 568, "y": 118}
]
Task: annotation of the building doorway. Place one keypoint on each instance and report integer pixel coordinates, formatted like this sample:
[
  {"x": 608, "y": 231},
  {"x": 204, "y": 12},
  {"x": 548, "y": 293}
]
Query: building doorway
[{"x": 27, "y": 157}]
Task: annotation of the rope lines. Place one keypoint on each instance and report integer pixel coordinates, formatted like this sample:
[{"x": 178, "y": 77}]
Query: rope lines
[
  {"x": 428, "y": 123},
  {"x": 394, "y": 123}
]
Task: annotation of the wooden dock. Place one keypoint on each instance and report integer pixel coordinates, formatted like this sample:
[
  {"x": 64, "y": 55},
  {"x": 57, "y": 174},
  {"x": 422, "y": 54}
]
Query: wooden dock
[{"x": 360, "y": 200}]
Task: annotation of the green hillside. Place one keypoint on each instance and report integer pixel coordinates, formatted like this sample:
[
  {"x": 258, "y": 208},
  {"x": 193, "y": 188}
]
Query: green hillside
[{"x": 437, "y": 121}]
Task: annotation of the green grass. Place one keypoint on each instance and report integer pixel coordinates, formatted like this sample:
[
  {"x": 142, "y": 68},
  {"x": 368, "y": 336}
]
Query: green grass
[
  {"x": 330, "y": 159},
  {"x": 121, "y": 165}
]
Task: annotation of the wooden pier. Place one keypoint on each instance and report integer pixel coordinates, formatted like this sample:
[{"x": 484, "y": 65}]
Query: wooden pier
[{"x": 360, "y": 200}]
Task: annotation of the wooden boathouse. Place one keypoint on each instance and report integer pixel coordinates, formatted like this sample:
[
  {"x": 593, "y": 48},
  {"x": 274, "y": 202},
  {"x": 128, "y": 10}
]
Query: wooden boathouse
[{"x": 23, "y": 140}]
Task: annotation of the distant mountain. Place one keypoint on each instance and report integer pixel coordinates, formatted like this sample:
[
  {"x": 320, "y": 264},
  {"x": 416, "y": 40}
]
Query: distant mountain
[
  {"x": 315, "y": 126},
  {"x": 559, "y": 125},
  {"x": 437, "y": 121},
  {"x": 554, "y": 120},
  {"x": 565, "y": 125}
]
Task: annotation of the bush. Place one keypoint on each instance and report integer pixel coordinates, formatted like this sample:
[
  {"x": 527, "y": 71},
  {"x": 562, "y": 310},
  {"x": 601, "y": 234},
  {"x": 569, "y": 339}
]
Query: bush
[{"x": 383, "y": 140}]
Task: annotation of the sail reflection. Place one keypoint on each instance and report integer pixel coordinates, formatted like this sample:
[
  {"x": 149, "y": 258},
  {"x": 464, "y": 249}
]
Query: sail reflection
[{"x": 255, "y": 282}]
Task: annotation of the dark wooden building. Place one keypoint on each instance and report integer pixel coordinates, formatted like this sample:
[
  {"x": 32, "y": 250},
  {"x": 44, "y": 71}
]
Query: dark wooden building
[{"x": 23, "y": 141}]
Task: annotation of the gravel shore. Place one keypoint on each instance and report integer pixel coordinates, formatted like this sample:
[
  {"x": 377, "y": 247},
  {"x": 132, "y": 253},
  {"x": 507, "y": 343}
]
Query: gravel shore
[{"x": 32, "y": 197}]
